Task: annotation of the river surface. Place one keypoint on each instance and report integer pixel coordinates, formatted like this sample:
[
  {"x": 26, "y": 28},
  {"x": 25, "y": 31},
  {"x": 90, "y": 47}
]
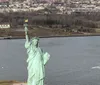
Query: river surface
[{"x": 74, "y": 60}]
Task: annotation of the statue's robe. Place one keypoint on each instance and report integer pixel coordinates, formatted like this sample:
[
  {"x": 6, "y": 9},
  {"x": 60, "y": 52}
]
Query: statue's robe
[{"x": 36, "y": 62}]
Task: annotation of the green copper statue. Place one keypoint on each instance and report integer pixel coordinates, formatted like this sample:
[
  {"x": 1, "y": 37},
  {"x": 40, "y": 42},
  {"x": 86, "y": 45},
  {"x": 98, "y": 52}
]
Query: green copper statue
[{"x": 36, "y": 60}]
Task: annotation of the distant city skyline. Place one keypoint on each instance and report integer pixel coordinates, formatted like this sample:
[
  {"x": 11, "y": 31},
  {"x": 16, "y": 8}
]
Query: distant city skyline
[
  {"x": 4, "y": 0},
  {"x": 49, "y": 1},
  {"x": 53, "y": 0}
]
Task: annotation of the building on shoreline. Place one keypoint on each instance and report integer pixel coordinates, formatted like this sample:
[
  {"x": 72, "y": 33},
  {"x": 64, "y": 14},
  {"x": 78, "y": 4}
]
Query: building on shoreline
[{"x": 4, "y": 3}]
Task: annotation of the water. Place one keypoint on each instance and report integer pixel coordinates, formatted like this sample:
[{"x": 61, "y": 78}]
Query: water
[{"x": 74, "y": 60}]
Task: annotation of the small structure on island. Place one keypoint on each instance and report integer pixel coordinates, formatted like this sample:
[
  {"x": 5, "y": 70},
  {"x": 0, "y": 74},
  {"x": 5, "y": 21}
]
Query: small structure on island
[
  {"x": 5, "y": 26},
  {"x": 37, "y": 59}
]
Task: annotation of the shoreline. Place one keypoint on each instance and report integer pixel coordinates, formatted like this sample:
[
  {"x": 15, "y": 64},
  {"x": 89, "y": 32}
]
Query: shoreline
[
  {"x": 54, "y": 36},
  {"x": 42, "y": 33}
]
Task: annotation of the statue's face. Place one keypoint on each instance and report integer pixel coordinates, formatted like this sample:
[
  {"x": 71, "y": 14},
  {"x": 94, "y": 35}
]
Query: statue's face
[{"x": 35, "y": 42}]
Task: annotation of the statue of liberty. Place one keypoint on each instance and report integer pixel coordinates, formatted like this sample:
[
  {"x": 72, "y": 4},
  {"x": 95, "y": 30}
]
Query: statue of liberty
[{"x": 36, "y": 60}]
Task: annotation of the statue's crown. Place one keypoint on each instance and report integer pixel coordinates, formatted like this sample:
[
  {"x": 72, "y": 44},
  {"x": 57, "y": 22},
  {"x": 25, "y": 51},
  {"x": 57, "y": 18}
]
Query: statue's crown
[{"x": 35, "y": 38}]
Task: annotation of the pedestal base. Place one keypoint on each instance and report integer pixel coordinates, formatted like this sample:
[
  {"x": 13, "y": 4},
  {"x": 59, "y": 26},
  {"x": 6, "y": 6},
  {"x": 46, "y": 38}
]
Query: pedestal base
[{"x": 19, "y": 84}]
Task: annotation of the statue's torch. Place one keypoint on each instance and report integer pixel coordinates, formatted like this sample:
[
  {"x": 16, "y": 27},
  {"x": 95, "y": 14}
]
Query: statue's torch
[{"x": 26, "y": 26}]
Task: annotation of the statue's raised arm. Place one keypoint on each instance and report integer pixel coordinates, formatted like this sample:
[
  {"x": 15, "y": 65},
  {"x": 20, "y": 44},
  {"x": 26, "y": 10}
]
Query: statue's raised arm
[
  {"x": 27, "y": 43},
  {"x": 26, "y": 34}
]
